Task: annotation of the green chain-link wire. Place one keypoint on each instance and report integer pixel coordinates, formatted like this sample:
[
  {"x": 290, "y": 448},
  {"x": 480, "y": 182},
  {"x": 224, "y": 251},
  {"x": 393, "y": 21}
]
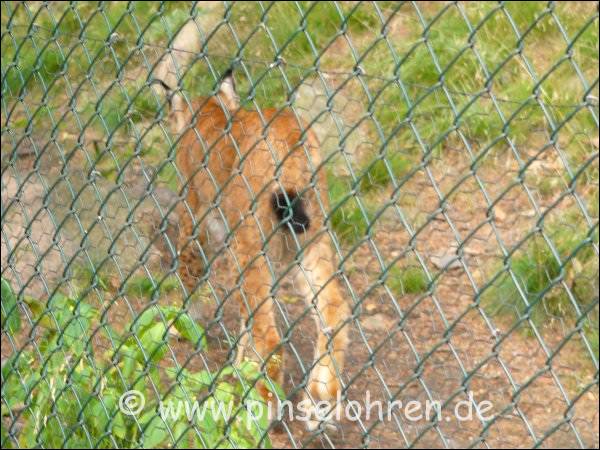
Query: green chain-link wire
[{"x": 460, "y": 141}]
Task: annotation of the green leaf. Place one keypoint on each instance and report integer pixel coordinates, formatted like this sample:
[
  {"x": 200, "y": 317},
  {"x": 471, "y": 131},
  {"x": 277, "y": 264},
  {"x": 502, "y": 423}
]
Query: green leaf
[
  {"x": 145, "y": 320},
  {"x": 249, "y": 370},
  {"x": 187, "y": 327},
  {"x": 153, "y": 343},
  {"x": 129, "y": 358},
  {"x": 190, "y": 330},
  {"x": 224, "y": 392},
  {"x": 225, "y": 371},
  {"x": 154, "y": 429},
  {"x": 11, "y": 322},
  {"x": 208, "y": 423},
  {"x": 180, "y": 435},
  {"x": 101, "y": 412},
  {"x": 77, "y": 326},
  {"x": 119, "y": 429},
  {"x": 35, "y": 305},
  {"x": 200, "y": 380}
]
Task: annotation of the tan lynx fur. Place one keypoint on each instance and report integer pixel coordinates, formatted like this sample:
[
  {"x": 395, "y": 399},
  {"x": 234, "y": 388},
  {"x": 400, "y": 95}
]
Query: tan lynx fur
[{"x": 234, "y": 162}]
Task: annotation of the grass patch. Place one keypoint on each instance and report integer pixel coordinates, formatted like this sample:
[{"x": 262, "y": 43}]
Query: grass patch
[
  {"x": 441, "y": 78},
  {"x": 407, "y": 280},
  {"x": 29, "y": 66},
  {"x": 167, "y": 175},
  {"x": 539, "y": 278},
  {"x": 381, "y": 171},
  {"x": 590, "y": 328},
  {"x": 435, "y": 75},
  {"x": 346, "y": 217},
  {"x": 119, "y": 109}
]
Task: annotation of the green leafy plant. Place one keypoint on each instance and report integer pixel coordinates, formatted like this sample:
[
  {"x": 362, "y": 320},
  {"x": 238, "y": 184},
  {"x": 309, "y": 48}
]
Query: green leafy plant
[
  {"x": 66, "y": 393},
  {"x": 224, "y": 414},
  {"x": 145, "y": 287}
]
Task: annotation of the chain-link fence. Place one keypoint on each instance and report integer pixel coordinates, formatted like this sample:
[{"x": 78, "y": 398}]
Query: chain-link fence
[{"x": 398, "y": 201}]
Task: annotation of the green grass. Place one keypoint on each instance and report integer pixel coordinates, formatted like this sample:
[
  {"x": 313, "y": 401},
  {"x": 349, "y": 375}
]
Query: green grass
[
  {"x": 439, "y": 67},
  {"x": 346, "y": 217},
  {"x": 381, "y": 171},
  {"x": 538, "y": 279},
  {"x": 33, "y": 66},
  {"x": 590, "y": 328},
  {"x": 407, "y": 280},
  {"x": 349, "y": 221},
  {"x": 435, "y": 108},
  {"x": 167, "y": 175}
]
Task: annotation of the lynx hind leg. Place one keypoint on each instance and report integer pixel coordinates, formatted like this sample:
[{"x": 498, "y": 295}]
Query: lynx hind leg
[
  {"x": 191, "y": 266},
  {"x": 259, "y": 337},
  {"x": 317, "y": 281}
]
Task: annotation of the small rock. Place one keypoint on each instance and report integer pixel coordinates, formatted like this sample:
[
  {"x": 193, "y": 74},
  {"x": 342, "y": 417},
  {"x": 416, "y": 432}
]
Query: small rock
[
  {"x": 449, "y": 261},
  {"x": 376, "y": 322},
  {"x": 499, "y": 214}
]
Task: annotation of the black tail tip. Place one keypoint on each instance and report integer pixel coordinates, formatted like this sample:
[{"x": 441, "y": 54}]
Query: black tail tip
[
  {"x": 228, "y": 73},
  {"x": 289, "y": 209}
]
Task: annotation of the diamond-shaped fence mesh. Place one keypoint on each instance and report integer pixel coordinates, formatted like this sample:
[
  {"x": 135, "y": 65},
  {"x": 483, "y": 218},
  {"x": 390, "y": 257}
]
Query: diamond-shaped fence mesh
[{"x": 299, "y": 224}]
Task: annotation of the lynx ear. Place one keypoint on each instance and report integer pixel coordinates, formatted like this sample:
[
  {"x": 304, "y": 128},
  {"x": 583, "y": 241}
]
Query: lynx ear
[{"x": 227, "y": 91}]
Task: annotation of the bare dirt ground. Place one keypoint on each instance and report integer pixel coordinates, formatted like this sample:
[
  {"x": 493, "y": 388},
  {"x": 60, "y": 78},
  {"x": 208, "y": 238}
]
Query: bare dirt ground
[{"x": 443, "y": 345}]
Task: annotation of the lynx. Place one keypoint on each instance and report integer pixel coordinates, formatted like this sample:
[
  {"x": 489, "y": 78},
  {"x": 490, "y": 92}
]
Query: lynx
[{"x": 255, "y": 187}]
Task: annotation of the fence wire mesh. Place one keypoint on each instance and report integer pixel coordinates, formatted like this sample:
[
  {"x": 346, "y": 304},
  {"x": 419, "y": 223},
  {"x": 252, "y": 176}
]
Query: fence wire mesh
[{"x": 423, "y": 174}]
